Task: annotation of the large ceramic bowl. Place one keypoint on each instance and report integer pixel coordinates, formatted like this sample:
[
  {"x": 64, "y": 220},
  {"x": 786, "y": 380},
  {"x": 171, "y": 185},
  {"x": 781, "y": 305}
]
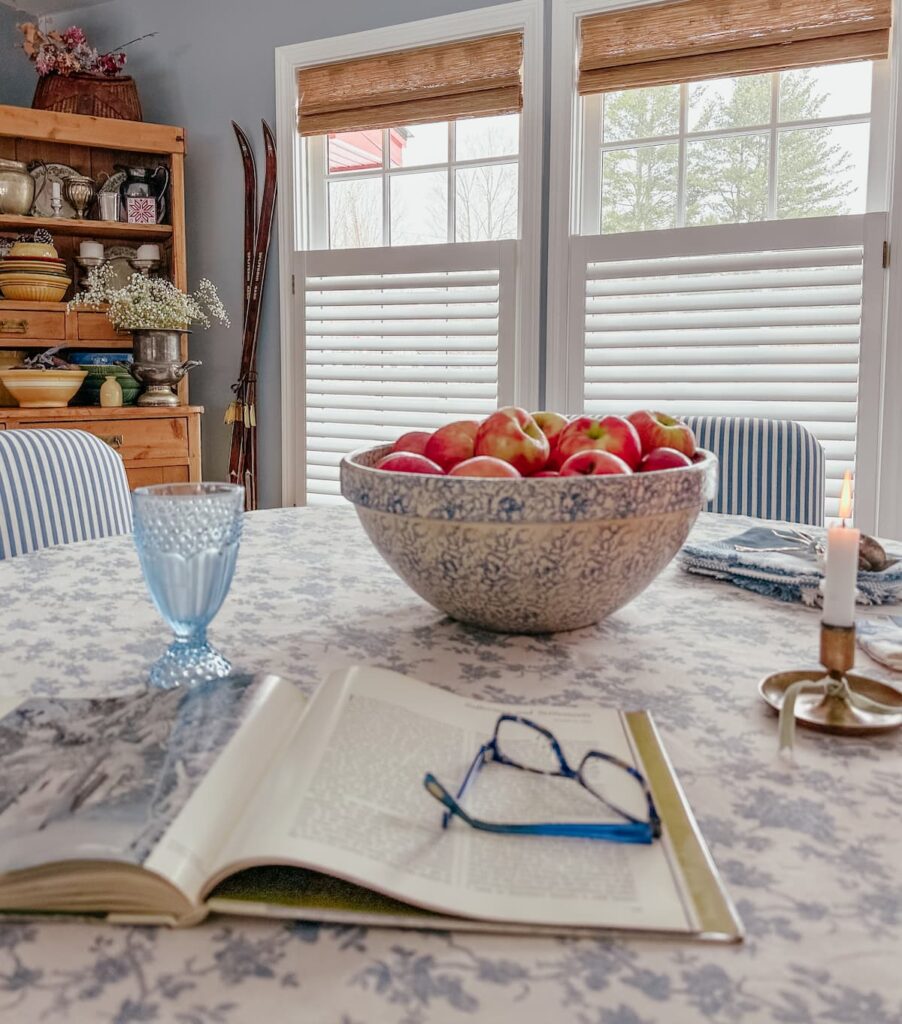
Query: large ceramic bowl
[
  {"x": 42, "y": 389},
  {"x": 531, "y": 555}
]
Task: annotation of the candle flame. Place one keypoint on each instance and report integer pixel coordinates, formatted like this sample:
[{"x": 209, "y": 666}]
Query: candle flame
[{"x": 845, "y": 497}]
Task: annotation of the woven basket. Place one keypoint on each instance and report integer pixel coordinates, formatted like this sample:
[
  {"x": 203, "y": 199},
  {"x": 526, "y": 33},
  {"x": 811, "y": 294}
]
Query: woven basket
[{"x": 88, "y": 94}]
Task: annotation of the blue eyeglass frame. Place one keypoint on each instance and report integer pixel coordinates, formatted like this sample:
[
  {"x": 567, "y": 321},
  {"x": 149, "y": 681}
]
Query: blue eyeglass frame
[{"x": 632, "y": 830}]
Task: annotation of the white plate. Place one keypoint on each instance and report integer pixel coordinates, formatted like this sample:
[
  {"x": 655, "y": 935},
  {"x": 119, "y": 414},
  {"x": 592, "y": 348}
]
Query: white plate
[
  {"x": 55, "y": 172},
  {"x": 118, "y": 256}
]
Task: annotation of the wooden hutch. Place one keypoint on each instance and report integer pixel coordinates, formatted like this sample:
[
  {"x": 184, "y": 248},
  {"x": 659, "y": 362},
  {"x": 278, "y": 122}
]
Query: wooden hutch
[{"x": 157, "y": 445}]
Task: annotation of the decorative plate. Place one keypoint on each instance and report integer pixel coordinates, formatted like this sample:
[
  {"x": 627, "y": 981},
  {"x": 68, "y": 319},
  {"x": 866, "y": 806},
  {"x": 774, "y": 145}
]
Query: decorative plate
[
  {"x": 54, "y": 172},
  {"x": 118, "y": 256},
  {"x": 113, "y": 182}
]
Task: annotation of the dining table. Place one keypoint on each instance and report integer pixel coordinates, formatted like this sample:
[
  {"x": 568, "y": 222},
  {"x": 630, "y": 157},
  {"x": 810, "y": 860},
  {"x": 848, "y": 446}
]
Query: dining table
[{"x": 810, "y": 849}]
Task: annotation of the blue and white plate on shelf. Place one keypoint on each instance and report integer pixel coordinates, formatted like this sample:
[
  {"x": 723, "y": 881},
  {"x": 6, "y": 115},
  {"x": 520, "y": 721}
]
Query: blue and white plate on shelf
[{"x": 99, "y": 358}]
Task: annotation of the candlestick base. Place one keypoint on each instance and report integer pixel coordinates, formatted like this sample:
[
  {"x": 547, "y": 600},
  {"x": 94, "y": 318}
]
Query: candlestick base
[
  {"x": 828, "y": 708},
  {"x": 834, "y": 700}
]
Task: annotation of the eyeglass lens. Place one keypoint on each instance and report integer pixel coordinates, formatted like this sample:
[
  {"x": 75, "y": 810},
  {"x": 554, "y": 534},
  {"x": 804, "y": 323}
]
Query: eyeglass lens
[
  {"x": 527, "y": 747},
  {"x": 615, "y": 786}
]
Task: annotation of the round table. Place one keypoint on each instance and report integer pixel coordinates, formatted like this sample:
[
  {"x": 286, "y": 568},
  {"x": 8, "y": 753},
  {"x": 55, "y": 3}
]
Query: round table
[{"x": 811, "y": 854}]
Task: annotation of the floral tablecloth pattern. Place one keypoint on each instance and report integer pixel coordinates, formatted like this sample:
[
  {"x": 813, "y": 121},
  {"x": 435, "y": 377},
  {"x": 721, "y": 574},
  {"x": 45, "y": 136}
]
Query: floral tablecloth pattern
[{"x": 812, "y": 855}]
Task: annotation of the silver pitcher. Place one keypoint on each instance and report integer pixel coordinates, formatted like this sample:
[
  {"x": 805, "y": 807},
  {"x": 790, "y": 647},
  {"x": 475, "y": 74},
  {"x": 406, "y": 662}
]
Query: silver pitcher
[
  {"x": 16, "y": 188},
  {"x": 158, "y": 366}
]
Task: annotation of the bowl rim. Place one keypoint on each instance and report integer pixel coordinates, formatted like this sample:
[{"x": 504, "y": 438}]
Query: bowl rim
[
  {"x": 529, "y": 500},
  {"x": 351, "y": 459}
]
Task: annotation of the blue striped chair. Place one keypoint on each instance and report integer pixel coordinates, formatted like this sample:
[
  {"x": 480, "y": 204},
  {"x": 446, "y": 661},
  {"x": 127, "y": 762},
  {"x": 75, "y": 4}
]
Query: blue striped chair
[
  {"x": 59, "y": 486},
  {"x": 773, "y": 469}
]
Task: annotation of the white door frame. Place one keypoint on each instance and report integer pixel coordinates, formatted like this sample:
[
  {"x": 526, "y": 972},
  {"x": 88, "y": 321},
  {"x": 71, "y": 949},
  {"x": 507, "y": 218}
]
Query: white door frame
[{"x": 524, "y": 15}]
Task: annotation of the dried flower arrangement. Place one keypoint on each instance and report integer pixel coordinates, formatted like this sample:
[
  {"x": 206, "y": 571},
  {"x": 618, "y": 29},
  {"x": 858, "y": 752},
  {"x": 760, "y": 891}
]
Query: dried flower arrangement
[
  {"x": 151, "y": 303},
  {"x": 68, "y": 53}
]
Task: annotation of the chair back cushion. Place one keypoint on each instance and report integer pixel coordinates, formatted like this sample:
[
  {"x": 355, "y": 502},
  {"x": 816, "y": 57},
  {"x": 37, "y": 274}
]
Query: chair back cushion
[
  {"x": 772, "y": 469},
  {"x": 59, "y": 486}
]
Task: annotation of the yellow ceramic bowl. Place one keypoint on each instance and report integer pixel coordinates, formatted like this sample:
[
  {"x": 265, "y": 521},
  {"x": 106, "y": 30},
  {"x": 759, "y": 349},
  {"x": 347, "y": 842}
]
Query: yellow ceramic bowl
[
  {"x": 47, "y": 290},
  {"x": 9, "y": 357},
  {"x": 44, "y": 249},
  {"x": 42, "y": 389}
]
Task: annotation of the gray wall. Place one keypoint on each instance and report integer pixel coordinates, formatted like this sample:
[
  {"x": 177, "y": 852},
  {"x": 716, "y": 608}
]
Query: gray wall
[
  {"x": 17, "y": 77},
  {"x": 212, "y": 62}
]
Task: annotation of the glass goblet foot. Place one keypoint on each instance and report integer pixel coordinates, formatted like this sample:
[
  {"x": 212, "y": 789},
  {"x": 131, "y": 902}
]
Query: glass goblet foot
[{"x": 186, "y": 663}]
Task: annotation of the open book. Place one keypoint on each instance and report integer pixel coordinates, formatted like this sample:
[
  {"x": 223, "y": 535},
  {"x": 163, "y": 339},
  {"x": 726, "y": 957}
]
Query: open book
[{"x": 243, "y": 796}]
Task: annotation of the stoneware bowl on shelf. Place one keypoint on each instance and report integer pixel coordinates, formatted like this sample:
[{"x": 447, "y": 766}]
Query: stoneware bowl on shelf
[
  {"x": 527, "y": 555},
  {"x": 42, "y": 389}
]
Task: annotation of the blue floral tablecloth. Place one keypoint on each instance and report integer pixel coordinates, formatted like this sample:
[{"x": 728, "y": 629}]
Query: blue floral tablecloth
[{"x": 812, "y": 855}]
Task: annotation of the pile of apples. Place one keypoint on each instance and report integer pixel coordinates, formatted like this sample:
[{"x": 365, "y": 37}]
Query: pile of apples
[{"x": 513, "y": 443}]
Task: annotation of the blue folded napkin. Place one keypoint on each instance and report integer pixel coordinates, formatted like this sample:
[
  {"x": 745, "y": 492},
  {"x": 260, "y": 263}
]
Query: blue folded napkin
[
  {"x": 791, "y": 575},
  {"x": 881, "y": 637}
]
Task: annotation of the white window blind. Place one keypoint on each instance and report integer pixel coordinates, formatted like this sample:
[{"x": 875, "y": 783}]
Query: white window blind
[
  {"x": 779, "y": 320},
  {"x": 400, "y": 339}
]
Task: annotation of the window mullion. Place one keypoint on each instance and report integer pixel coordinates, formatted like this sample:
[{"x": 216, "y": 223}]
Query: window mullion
[
  {"x": 386, "y": 187},
  {"x": 772, "y": 148},
  {"x": 452, "y": 181},
  {"x": 682, "y": 156}
]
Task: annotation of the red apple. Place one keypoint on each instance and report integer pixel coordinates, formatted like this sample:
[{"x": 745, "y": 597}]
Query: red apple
[
  {"x": 545, "y": 472},
  {"x": 594, "y": 462},
  {"x": 612, "y": 434},
  {"x": 658, "y": 430},
  {"x": 663, "y": 458},
  {"x": 513, "y": 435},
  {"x": 551, "y": 424},
  {"x": 452, "y": 443},
  {"x": 409, "y": 462},
  {"x": 483, "y": 465},
  {"x": 412, "y": 441}
]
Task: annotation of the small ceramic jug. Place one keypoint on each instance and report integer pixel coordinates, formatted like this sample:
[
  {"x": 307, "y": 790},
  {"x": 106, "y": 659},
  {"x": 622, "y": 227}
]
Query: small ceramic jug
[{"x": 111, "y": 393}]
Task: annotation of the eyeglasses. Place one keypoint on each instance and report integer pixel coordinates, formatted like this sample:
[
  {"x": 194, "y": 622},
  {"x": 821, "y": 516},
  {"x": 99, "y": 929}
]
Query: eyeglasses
[{"x": 532, "y": 748}]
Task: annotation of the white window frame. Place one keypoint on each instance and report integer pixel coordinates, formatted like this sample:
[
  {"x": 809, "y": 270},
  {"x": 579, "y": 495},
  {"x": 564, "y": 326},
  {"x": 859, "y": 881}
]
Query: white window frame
[
  {"x": 320, "y": 177},
  {"x": 521, "y": 15},
  {"x": 880, "y": 396}
]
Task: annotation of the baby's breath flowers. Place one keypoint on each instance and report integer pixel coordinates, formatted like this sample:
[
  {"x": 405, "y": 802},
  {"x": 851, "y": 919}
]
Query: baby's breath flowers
[{"x": 151, "y": 303}]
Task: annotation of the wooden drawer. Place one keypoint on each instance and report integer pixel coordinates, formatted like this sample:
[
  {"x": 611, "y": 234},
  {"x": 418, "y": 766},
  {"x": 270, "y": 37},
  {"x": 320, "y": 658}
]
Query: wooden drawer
[
  {"x": 154, "y": 440},
  {"x": 96, "y": 327},
  {"x": 144, "y": 476},
  {"x": 31, "y": 325}
]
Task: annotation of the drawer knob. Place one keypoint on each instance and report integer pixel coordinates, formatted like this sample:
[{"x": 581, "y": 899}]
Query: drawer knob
[
  {"x": 113, "y": 440},
  {"x": 13, "y": 326}
]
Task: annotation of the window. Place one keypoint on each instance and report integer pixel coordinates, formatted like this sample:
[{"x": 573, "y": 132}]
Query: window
[
  {"x": 415, "y": 249},
  {"x": 450, "y": 181},
  {"x": 730, "y": 150},
  {"x": 721, "y": 246}
]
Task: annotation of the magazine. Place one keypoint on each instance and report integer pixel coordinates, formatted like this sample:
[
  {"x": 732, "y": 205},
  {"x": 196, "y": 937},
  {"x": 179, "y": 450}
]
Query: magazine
[{"x": 243, "y": 796}]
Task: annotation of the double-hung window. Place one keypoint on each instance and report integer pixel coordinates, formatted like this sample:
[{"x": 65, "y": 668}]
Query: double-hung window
[
  {"x": 727, "y": 219},
  {"x": 407, "y": 278}
]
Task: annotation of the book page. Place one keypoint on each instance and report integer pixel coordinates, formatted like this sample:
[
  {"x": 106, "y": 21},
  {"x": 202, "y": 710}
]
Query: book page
[
  {"x": 104, "y": 778},
  {"x": 347, "y": 798}
]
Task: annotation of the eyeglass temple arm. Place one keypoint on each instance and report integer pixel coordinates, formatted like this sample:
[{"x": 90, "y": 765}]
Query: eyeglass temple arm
[{"x": 626, "y": 833}]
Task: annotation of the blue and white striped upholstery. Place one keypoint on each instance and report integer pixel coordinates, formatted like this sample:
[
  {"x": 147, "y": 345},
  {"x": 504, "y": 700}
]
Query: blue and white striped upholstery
[
  {"x": 773, "y": 469},
  {"x": 59, "y": 486}
]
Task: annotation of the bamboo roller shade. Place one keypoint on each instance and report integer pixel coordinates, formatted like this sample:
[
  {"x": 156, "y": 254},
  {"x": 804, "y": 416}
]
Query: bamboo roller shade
[
  {"x": 698, "y": 39},
  {"x": 468, "y": 78}
]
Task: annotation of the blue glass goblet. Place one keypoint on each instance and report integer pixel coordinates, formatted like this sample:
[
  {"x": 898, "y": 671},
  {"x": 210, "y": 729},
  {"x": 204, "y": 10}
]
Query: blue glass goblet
[{"x": 187, "y": 537}]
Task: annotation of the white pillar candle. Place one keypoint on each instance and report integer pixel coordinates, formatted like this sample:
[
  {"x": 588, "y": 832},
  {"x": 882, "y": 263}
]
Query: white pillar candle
[
  {"x": 842, "y": 565},
  {"x": 55, "y": 191},
  {"x": 148, "y": 252},
  {"x": 90, "y": 250}
]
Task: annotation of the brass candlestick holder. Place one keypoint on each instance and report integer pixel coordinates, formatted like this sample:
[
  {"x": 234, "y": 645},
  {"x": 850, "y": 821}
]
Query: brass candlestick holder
[{"x": 834, "y": 699}]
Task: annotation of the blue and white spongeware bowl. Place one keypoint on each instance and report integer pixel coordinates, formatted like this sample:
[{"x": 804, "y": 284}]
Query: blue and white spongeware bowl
[{"x": 530, "y": 555}]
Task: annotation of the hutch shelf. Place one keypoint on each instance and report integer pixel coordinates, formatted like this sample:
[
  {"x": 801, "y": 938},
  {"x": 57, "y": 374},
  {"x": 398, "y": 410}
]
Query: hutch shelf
[{"x": 157, "y": 445}]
